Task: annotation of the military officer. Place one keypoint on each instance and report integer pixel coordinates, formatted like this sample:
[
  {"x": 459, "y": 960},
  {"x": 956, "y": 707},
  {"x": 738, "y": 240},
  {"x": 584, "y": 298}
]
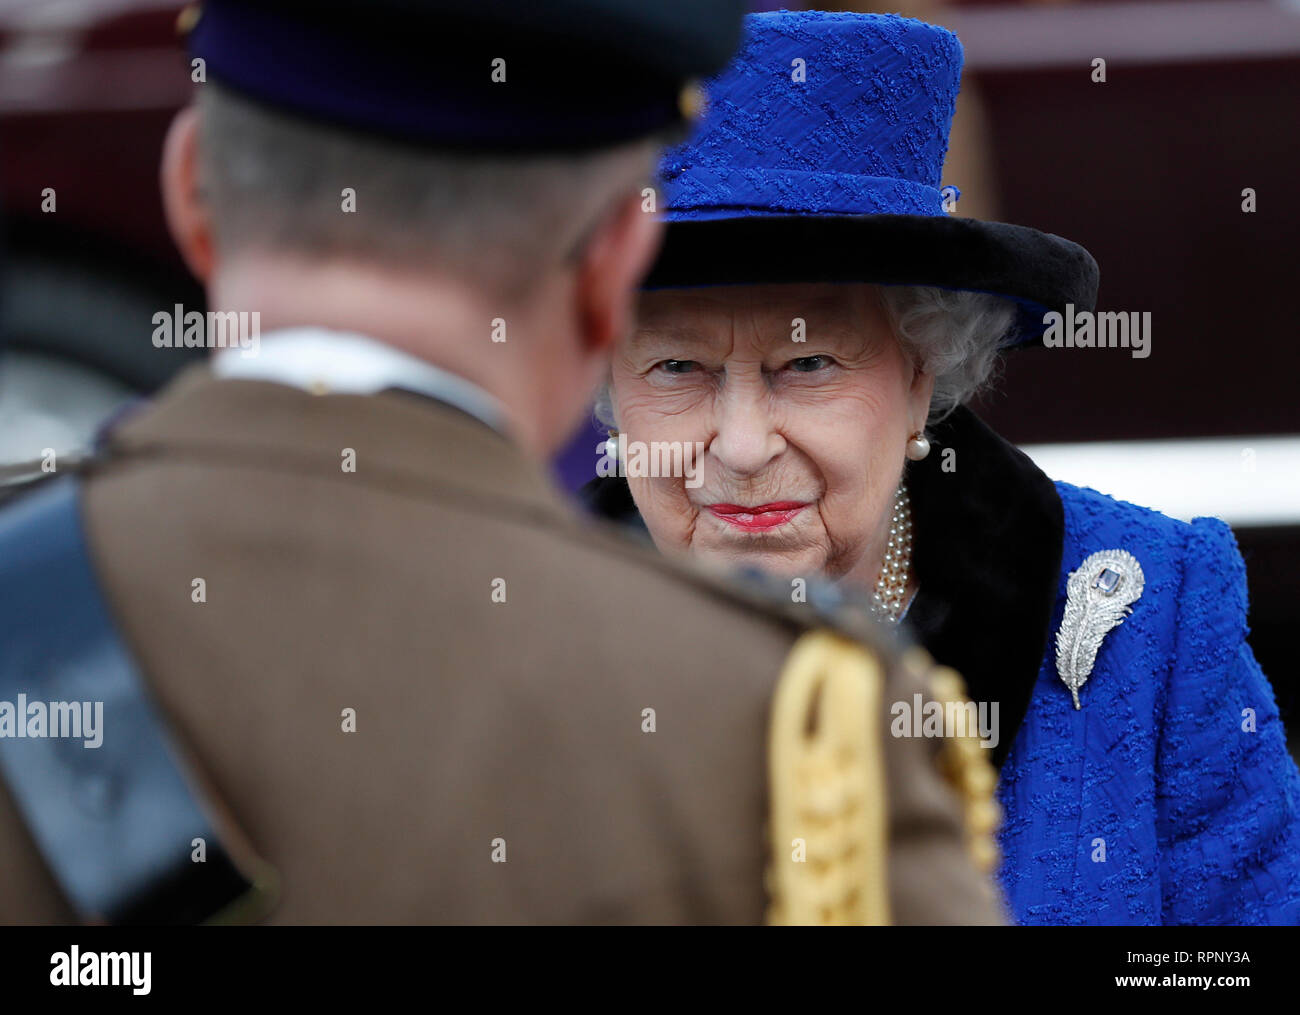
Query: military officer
[{"x": 358, "y": 661}]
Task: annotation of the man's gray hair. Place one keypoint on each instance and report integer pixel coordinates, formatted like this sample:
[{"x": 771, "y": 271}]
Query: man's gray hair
[
  {"x": 277, "y": 182},
  {"x": 957, "y": 336}
]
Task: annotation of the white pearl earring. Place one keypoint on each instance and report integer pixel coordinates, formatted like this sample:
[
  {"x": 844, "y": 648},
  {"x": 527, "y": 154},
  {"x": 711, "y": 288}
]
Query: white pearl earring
[
  {"x": 917, "y": 446},
  {"x": 611, "y": 445}
]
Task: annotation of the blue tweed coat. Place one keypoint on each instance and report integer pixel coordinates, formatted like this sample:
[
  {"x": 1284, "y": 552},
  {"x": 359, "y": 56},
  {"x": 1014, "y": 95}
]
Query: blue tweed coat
[{"x": 1170, "y": 797}]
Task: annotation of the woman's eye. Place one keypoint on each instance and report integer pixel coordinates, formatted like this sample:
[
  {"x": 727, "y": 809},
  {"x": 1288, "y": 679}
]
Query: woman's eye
[
  {"x": 809, "y": 364},
  {"x": 678, "y": 366}
]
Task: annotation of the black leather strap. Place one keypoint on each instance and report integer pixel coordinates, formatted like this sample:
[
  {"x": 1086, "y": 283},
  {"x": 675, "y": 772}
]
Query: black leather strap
[{"x": 115, "y": 823}]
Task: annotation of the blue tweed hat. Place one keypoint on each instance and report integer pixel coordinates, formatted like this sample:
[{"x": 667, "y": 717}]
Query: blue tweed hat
[{"x": 819, "y": 160}]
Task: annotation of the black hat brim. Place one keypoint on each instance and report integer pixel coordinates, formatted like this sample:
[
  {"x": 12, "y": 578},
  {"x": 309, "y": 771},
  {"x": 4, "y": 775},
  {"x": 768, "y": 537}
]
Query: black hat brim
[{"x": 1040, "y": 271}]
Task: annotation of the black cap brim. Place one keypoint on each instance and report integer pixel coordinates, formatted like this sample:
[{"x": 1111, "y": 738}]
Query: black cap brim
[{"x": 1039, "y": 271}]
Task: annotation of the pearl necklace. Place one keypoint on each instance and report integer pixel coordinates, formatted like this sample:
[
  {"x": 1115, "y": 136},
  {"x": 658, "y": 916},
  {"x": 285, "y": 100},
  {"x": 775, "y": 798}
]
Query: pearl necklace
[{"x": 891, "y": 586}]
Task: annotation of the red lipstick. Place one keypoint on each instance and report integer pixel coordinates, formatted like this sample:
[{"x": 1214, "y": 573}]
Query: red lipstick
[{"x": 759, "y": 517}]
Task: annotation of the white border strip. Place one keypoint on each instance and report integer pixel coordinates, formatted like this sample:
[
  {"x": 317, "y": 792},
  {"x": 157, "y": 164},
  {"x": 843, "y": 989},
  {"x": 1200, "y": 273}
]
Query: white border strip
[{"x": 1243, "y": 480}]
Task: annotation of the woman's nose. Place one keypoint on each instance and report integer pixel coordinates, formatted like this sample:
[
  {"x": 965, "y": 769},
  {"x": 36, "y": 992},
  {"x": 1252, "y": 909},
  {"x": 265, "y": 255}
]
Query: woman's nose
[{"x": 746, "y": 439}]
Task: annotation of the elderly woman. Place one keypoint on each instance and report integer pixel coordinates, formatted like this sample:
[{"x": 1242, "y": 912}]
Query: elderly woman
[{"x": 815, "y": 324}]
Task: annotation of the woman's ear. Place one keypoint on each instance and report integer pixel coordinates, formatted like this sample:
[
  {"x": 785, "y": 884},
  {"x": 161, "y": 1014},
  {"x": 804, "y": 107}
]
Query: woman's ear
[
  {"x": 919, "y": 396},
  {"x": 187, "y": 213}
]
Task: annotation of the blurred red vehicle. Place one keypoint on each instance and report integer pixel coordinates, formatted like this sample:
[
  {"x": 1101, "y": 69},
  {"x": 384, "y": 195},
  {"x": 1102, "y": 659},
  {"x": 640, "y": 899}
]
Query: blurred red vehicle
[{"x": 87, "y": 90}]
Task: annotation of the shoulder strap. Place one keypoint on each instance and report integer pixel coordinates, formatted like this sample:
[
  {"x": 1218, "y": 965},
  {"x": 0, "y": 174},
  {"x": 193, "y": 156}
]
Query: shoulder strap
[{"x": 87, "y": 758}]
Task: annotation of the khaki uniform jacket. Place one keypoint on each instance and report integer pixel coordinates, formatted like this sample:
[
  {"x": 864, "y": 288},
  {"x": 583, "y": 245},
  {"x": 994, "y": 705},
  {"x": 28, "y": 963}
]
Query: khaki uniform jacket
[{"x": 475, "y": 720}]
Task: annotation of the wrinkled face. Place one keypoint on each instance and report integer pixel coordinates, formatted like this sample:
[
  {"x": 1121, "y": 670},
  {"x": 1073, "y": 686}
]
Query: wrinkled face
[{"x": 804, "y": 428}]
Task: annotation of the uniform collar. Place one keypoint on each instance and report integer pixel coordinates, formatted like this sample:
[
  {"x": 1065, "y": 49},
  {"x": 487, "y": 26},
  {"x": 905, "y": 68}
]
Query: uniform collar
[
  {"x": 324, "y": 361},
  {"x": 989, "y": 528},
  {"x": 414, "y": 446}
]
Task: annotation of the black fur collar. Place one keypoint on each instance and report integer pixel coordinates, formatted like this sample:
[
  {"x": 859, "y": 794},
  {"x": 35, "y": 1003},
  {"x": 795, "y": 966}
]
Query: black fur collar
[
  {"x": 988, "y": 538},
  {"x": 987, "y": 554}
]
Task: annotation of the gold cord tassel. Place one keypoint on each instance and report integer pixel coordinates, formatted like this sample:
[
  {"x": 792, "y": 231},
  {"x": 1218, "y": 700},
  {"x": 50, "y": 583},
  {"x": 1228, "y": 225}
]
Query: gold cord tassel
[{"x": 965, "y": 764}]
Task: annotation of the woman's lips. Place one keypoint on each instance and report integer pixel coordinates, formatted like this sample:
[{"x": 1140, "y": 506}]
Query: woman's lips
[{"x": 759, "y": 517}]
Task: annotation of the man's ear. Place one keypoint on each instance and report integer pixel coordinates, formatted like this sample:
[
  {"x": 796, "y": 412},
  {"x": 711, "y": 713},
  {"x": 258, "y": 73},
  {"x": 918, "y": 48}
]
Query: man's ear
[
  {"x": 187, "y": 213},
  {"x": 615, "y": 260}
]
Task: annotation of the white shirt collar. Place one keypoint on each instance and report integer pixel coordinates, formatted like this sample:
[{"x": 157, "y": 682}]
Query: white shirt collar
[{"x": 323, "y": 361}]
